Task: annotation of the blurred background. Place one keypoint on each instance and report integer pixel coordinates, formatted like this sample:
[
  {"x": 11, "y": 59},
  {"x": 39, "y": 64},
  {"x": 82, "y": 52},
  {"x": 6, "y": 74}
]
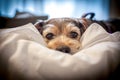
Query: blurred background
[{"x": 19, "y": 12}]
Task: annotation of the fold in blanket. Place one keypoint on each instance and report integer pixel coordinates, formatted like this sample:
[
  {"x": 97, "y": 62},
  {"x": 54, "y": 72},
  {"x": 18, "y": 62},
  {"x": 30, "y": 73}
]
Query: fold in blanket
[{"x": 24, "y": 55}]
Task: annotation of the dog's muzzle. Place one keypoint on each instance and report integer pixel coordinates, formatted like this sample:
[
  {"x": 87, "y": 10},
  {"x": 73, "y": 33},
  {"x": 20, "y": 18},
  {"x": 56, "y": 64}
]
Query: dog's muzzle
[{"x": 64, "y": 49}]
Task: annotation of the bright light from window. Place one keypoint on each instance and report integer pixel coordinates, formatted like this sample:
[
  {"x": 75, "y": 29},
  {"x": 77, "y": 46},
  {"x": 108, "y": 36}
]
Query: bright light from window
[
  {"x": 64, "y": 9},
  {"x": 31, "y": 9},
  {"x": 76, "y": 8}
]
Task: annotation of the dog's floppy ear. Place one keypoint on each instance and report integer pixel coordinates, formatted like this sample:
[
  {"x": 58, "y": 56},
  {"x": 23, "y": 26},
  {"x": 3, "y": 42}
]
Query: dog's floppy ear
[
  {"x": 39, "y": 25},
  {"x": 87, "y": 21},
  {"x": 83, "y": 24}
]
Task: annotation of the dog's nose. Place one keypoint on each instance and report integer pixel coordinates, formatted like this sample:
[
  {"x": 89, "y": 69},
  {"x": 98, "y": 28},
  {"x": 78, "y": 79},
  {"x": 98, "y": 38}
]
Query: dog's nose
[{"x": 64, "y": 49}]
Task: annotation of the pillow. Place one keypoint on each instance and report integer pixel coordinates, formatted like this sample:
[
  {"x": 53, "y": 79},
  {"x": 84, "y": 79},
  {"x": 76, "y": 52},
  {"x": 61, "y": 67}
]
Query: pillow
[{"x": 24, "y": 55}]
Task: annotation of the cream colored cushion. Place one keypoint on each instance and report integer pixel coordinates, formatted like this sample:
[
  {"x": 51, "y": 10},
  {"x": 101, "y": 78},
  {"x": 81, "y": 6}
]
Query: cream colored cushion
[{"x": 24, "y": 55}]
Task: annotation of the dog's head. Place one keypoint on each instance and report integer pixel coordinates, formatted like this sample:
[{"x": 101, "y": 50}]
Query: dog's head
[{"x": 62, "y": 34}]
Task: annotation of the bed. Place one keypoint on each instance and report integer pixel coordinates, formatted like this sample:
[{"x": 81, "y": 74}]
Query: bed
[{"x": 24, "y": 55}]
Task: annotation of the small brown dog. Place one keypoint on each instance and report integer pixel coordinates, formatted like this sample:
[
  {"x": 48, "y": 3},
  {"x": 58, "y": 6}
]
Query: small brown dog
[{"x": 63, "y": 34}]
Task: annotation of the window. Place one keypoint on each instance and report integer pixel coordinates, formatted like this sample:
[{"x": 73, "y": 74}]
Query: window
[{"x": 56, "y": 8}]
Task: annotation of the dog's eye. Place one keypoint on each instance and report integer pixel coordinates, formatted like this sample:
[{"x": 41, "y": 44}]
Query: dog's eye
[
  {"x": 73, "y": 34},
  {"x": 50, "y": 36}
]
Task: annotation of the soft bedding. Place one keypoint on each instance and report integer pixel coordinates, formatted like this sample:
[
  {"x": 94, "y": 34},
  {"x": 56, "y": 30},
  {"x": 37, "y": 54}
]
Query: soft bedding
[{"x": 24, "y": 55}]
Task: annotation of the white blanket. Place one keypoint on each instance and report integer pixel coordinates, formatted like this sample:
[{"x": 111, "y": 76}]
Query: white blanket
[{"x": 24, "y": 55}]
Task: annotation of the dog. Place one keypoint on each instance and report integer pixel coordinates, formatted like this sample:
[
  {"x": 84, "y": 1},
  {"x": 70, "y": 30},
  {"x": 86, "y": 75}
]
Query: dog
[{"x": 63, "y": 34}]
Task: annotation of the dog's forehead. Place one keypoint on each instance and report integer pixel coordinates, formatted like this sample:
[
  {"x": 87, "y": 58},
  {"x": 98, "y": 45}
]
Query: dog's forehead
[{"x": 59, "y": 21}]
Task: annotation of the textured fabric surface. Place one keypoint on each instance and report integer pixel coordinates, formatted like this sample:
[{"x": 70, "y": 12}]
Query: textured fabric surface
[{"x": 24, "y": 55}]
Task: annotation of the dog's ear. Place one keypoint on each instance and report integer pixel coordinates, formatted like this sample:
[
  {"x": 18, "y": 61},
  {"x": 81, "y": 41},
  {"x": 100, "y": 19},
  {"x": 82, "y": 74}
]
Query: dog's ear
[
  {"x": 39, "y": 25},
  {"x": 90, "y": 14},
  {"x": 87, "y": 21},
  {"x": 83, "y": 24}
]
